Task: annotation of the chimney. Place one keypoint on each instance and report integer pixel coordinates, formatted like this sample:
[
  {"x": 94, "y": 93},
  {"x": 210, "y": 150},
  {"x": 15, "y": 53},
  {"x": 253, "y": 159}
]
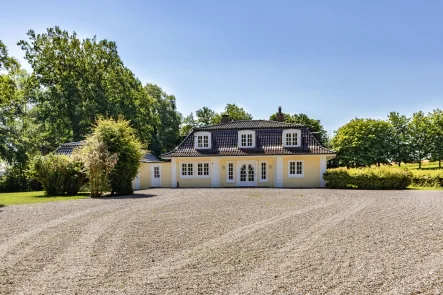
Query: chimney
[
  {"x": 225, "y": 119},
  {"x": 280, "y": 116}
]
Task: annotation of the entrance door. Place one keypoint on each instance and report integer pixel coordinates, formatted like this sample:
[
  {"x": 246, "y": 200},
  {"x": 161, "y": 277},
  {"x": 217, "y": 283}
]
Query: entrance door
[
  {"x": 156, "y": 180},
  {"x": 247, "y": 174}
]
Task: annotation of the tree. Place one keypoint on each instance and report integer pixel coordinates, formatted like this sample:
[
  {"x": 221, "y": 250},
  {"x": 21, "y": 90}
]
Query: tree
[
  {"x": 165, "y": 122},
  {"x": 82, "y": 79},
  {"x": 419, "y": 128},
  {"x": 436, "y": 135},
  {"x": 362, "y": 142},
  {"x": 234, "y": 112},
  {"x": 188, "y": 123},
  {"x": 313, "y": 125},
  {"x": 205, "y": 116},
  {"x": 120, "y": 139},
  {"x": 98, "y": 163},
  {"x": 400, "y": 140}
]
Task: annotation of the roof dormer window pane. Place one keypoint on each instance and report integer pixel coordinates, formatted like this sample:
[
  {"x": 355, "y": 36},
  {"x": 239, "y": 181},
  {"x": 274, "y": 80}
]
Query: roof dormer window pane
[
  {"x": 203, "y": 140},
  {"x": 291, "y": 138},
  {"x": 246, "y": 139}
]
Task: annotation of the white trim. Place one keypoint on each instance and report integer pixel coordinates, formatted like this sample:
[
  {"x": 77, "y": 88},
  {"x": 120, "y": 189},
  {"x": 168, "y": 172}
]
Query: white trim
[
  {"x": 302, "y": 167},
  {"x": 174, "y": 172},
  {"x": 278, "y": 181},
  {"x": 227, "y": 172},
  {"x": 203, "y": 169},
  {"x": 291, "y": 131},
  {"x": 323, "y": 167},
  {"x": 215, "y": 175},
  {"x": 260, "y": 171},
  {"x": 152, "y": 175},
  {"x": 181, "y": 170},
  {"x": 246, "y": 132},
  {"x": 203, "y": 134}
]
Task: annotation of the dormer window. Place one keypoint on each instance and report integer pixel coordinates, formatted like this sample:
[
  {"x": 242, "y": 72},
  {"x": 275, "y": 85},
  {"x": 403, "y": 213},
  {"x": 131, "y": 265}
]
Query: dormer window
[
  {"x": 246, "y": 139},
  {"x": 291, "y": 138},
  {"x": 202, "y": 140}
]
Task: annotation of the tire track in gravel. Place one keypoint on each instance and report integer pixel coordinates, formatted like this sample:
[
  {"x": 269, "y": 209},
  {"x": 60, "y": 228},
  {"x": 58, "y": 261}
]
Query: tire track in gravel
[
  {"x": 291, "y": 250},
  {"x": 163, "y": 267}
]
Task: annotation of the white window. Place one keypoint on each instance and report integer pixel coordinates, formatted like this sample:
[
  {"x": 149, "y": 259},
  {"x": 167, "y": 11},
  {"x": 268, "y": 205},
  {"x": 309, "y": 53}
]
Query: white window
[
  {"x": 291, "y": 138},
  {"x": 202, "y": 140},
  {"x": 156, "y": 172},
  {"x": 230, "y": 173},
  {"x": 187, "y": 170},
  {"x": 246, "y": 139},
  {"x": 263, "y": 171},
  {"x": 296, "y": 169},
  {"x": 203, "y": 169}
]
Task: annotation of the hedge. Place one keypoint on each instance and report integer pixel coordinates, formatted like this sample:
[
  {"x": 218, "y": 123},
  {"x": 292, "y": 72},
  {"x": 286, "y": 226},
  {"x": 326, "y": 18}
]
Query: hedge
[
  {"x": 427, "y": 178},
  {"x": 368, "y": 178}
]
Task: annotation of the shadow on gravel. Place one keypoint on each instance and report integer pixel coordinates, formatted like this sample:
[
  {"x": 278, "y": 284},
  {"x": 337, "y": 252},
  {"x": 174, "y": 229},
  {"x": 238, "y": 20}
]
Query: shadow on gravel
[
  {"x": 1, "y": 206},
  {"x": 134, "y": 196}
]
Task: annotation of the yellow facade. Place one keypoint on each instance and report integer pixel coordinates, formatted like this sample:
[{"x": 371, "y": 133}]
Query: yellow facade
[{"x": 277, "y": 172}]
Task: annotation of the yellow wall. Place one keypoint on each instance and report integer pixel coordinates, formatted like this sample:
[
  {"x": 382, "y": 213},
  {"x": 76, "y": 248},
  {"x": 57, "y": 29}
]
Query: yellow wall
[
  {"x": 195, "y": 181},
  {"x": 145, "y": 172},
  {"x": 165, "y": 172},
  {"x": 145, "y": 175},
  {"x": 311, "y": 172}
]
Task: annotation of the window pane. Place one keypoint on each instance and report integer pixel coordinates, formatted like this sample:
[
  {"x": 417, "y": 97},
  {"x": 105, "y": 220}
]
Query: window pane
[
  {"x": 292, "y": 168},
  {"x": 250, "y": 173},
  {"x": 243, "y": 173},
  {"x": 205, "y": 141},
  {"x": 299, "y": 167},
  {"x": 294, "y": 138},
  {"x": 206, "y": 169},
  {"x": 199, "y": 141},
  {"x": 184, "y": 171},
  {"x": 199, "y": 169},
  {"x": 190, "y": 170},
  {"x": 231, "y": 171},
  {"x": 263, "y": 171},
  {"x": 243, "y": 139},
  {"x": 249, "y": 139},
  {"x": 288, "y": 138}
]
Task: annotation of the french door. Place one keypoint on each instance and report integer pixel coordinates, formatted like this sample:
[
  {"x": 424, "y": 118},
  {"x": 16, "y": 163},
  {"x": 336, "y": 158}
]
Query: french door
[{"x": 246, "y": 174}]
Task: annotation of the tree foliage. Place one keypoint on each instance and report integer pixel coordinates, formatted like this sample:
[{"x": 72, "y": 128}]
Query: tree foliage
[
  {"x": 420, "y": 144},
  {"x": 400, "y": 138},
  {"x": 436, "y": 135},
  {"x": 120, "y": 139}
]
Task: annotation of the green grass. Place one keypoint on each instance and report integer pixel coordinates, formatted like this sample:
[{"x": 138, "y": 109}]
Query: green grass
[
  {"x": 424, "y": 166},
  {"x": 34, "y": 197}
]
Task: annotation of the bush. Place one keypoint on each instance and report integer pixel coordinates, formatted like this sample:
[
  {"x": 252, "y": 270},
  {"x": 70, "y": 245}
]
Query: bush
[
  {"x": 58, "y": 174},
  {"x": 120, "y": 139},
  {"x": 427, "y": 178},
  {"x": 368, "y": 178}
]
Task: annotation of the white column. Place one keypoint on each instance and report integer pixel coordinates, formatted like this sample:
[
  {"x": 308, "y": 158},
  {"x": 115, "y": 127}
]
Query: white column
[
  {"x": 278, "y": 181},
  {"x": 322, "y": 170},
  {"x": 174, "y": 173},
  {"x": 215, "y": 172}
]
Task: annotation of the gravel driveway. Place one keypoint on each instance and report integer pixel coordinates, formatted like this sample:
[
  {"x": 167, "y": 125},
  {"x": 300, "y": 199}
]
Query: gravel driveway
[{"x": 226, "y": 241}]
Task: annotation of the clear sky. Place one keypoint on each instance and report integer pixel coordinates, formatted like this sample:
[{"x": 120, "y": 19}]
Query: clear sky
[{"x": 333, "y": 60}]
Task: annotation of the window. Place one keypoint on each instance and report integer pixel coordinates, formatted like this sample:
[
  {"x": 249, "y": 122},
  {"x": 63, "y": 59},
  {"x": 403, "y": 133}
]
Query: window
[
  {"x": 202, "y": 169},
  {"x": 250, "y": 172},
  {"x": 230, "y": 174},
  {"x": 296, "y": 169},
  {"x": 263, "y": 171},
  {"x": 292, "y": 138},
  {"x": 187, "y": 170},
  {"x": 246, "y": 139},
  {"x": 156, "y": 172},
  {"x": 202, "y": 140}
]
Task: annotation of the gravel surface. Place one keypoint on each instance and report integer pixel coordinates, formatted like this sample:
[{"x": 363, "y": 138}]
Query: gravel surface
[{"x": 226, "y": 241}]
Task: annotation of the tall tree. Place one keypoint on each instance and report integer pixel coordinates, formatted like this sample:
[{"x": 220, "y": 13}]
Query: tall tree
[
  {"x": 363, "y": 142},
  {"x": 400, "y": 140},
  {"x": 419, "y": 128},
  {"x": 436, "y": 135},
  {"x": 187, "y": 124},
  {"x": 205, "y": 116},
  {"x": 166, "y": 120},
  {"x": 82, "y": 79}
]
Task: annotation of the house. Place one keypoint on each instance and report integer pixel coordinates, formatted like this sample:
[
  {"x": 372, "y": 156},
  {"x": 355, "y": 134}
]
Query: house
[{"x": 239, "y": 154}]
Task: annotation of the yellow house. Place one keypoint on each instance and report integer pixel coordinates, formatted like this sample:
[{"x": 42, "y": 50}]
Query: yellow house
[{"x": 242, "y": 153}]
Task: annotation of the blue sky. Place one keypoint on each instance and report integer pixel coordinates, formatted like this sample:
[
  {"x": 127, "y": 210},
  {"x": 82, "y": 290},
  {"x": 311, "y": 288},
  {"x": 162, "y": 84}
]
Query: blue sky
[{"x": 333, "y": 60}]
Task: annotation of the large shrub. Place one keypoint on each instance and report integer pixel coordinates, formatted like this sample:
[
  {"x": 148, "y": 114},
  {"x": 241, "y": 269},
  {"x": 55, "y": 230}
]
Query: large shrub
[
  {"x": 368, "y": 178},
  {"x": 427, "y": 178},
  {"x": 58, "y": 174},
  {"x": 97, "y": 164},
  {"x": 120, "y": 139}
]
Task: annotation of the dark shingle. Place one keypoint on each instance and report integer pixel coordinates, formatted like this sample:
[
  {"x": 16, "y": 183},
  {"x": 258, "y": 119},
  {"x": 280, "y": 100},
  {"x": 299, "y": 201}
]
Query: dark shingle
[{"x": 268, "y": 141}]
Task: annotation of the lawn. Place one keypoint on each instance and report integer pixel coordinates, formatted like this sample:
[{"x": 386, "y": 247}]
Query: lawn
[{"x": 34, "y": 197}]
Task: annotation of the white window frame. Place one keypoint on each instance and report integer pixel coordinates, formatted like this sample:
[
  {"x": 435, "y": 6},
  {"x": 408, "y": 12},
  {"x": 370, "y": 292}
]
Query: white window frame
[
  {"x": 187, "y": 167},
  {"x": 292, "y": 131},
  {"x": 260, "y": 171},
  {"x": 203, "y": 170},
  {"x": 246, "y": 133},
  {"x": 227, "y": 172},
  {"x": 202, "y": 134},
  {"x": 302, "y": 175}
]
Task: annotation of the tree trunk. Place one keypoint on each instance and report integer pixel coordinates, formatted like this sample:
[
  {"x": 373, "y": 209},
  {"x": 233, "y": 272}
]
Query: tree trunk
[
  {"x": 399, "y": 164},
  {"x": 439, "y": 164}
]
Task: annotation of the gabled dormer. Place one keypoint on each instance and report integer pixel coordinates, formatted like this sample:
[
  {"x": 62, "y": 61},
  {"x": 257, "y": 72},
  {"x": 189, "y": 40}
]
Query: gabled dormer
[
  {"x": 291, "y": 138},
  {"x": 246, "y": 139},
  {"x": 202, "y": 140}
]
